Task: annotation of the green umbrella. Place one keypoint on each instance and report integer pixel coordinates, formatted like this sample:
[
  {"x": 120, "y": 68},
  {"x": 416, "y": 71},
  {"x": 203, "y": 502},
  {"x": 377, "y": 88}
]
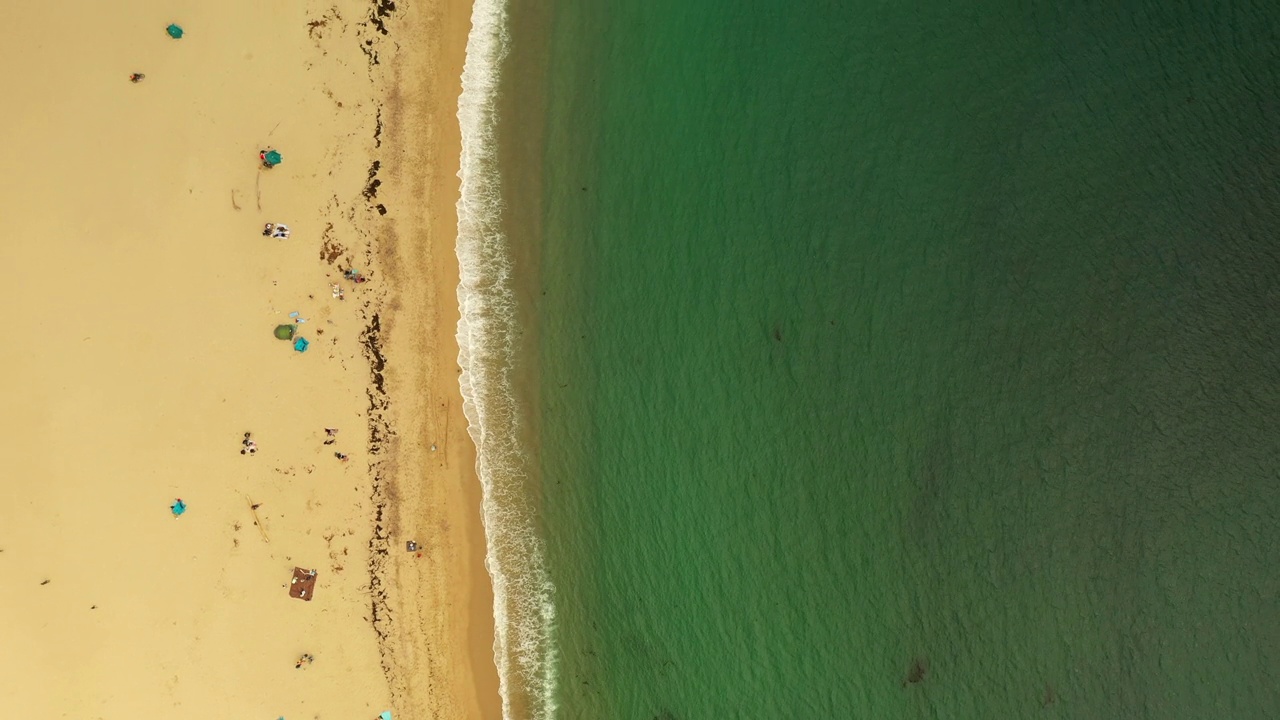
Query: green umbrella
[
  {"x": 285, "y": 332},
  {"x": 272, "y": 157},
  {"x": 174, "y": 31}
]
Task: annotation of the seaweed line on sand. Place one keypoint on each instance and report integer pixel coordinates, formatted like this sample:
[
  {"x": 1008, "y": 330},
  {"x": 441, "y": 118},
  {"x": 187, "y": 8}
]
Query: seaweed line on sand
[{"x": 379, "y": 430}]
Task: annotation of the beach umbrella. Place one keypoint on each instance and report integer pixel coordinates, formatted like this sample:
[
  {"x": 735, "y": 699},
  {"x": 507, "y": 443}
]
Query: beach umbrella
[
  {"x": 178, "y": 507},
  {"x": 285, "y": 332},
  {"x": 174, "y": 31},
  {"x": 301, "y": 344},
  {"x": 386, "y": 715},
  {"x": 272, "y": 158}
]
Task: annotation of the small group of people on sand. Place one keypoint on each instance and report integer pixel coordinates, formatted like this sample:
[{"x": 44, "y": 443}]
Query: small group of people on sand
[
  {"x": 276, "y": 230},
  {"x": 249, "y": 447}
]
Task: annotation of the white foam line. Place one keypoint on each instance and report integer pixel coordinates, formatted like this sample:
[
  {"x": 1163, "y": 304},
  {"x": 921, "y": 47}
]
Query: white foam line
[{"x": 523, "y": 607}]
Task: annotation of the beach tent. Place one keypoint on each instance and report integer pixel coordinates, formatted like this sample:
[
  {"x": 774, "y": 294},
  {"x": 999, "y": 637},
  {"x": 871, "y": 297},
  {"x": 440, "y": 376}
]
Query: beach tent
[
  {"x": 174, "y": 31},
  {"x": 301, "y": 344},
  {"x": 285, "y": 332}
]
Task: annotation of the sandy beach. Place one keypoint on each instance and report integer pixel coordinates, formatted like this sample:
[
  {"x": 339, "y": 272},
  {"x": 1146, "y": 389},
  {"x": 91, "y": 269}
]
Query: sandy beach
[{"x": 140, "y": 350}]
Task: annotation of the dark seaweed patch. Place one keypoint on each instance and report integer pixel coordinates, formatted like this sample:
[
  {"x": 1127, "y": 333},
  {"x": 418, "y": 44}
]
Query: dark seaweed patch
[
  {"x": 371, "y": 187},
  {"x": 382, "y": 10}
]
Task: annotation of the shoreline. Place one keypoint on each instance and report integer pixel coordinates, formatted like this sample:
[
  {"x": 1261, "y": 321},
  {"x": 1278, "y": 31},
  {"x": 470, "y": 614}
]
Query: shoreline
[{"x": 430, "y": 460}]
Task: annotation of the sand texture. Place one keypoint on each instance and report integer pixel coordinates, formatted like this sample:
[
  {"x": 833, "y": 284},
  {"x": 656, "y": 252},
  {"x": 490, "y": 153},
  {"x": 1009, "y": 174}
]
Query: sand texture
[{"x": 138, "y": 350}]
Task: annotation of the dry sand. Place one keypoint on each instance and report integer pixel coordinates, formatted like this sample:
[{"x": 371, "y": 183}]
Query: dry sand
[{"x": 138, "y": 350}]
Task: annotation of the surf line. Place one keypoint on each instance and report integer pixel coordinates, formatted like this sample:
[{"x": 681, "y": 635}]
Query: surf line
[{"x": 523, "y": 594}]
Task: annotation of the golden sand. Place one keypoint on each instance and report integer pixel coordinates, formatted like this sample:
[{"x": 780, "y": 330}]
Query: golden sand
[{"x": 138, "y": 350}]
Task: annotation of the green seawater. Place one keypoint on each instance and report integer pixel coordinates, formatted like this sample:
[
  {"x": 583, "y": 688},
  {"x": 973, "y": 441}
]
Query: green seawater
[{"x": 909, "y": 361}]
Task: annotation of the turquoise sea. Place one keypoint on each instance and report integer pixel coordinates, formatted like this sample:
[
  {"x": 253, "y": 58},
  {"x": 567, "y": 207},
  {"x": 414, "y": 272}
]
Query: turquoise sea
[{"x": 877, "y": 360}]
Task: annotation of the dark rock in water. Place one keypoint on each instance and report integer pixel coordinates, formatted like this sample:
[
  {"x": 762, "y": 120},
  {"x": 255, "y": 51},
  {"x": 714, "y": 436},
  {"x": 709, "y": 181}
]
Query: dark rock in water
[{"x": 919, "y": 666}]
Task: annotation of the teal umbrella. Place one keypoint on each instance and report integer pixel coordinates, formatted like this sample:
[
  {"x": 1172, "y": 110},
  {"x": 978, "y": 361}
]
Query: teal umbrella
[
  {"x": 272, "y": 158},
  {"x": 174, "y": 31},
  {"x": 301, "y": 344}
]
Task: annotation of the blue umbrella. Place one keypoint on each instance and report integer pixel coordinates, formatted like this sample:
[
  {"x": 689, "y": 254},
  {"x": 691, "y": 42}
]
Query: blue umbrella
[
  {"x": 301, "y": 344},
  {"x": 178, "y": 507},
  {"x": 174, "y": 31}
]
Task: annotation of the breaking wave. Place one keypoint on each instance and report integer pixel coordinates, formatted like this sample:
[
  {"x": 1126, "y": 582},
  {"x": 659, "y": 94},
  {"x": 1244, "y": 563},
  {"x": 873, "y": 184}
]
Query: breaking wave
[{"x": 523, "y": 606}]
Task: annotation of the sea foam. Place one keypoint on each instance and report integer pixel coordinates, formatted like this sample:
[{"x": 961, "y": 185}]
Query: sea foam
[{"x": 523, "y": 607}]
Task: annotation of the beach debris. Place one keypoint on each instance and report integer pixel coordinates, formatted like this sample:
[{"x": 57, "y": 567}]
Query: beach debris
[
  {"x": 304, "y": 659},
  {"x": 137, "y": 78},
  {"x": 270, "y": 158},
  {"x": 285, "y": 332},
  {"x": 178, "y": 507},
  {"x": 253, "y": 508},
  {"x": 303, "y": 585},
  {"x": 411, "y": 546},
  {"x": 301, "y": 344},
  {"x": 175, "y": 31}
]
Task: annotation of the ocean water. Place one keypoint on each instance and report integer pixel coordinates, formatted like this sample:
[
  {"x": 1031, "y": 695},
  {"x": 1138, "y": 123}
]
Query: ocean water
[{"x": 877, "y": 360}]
